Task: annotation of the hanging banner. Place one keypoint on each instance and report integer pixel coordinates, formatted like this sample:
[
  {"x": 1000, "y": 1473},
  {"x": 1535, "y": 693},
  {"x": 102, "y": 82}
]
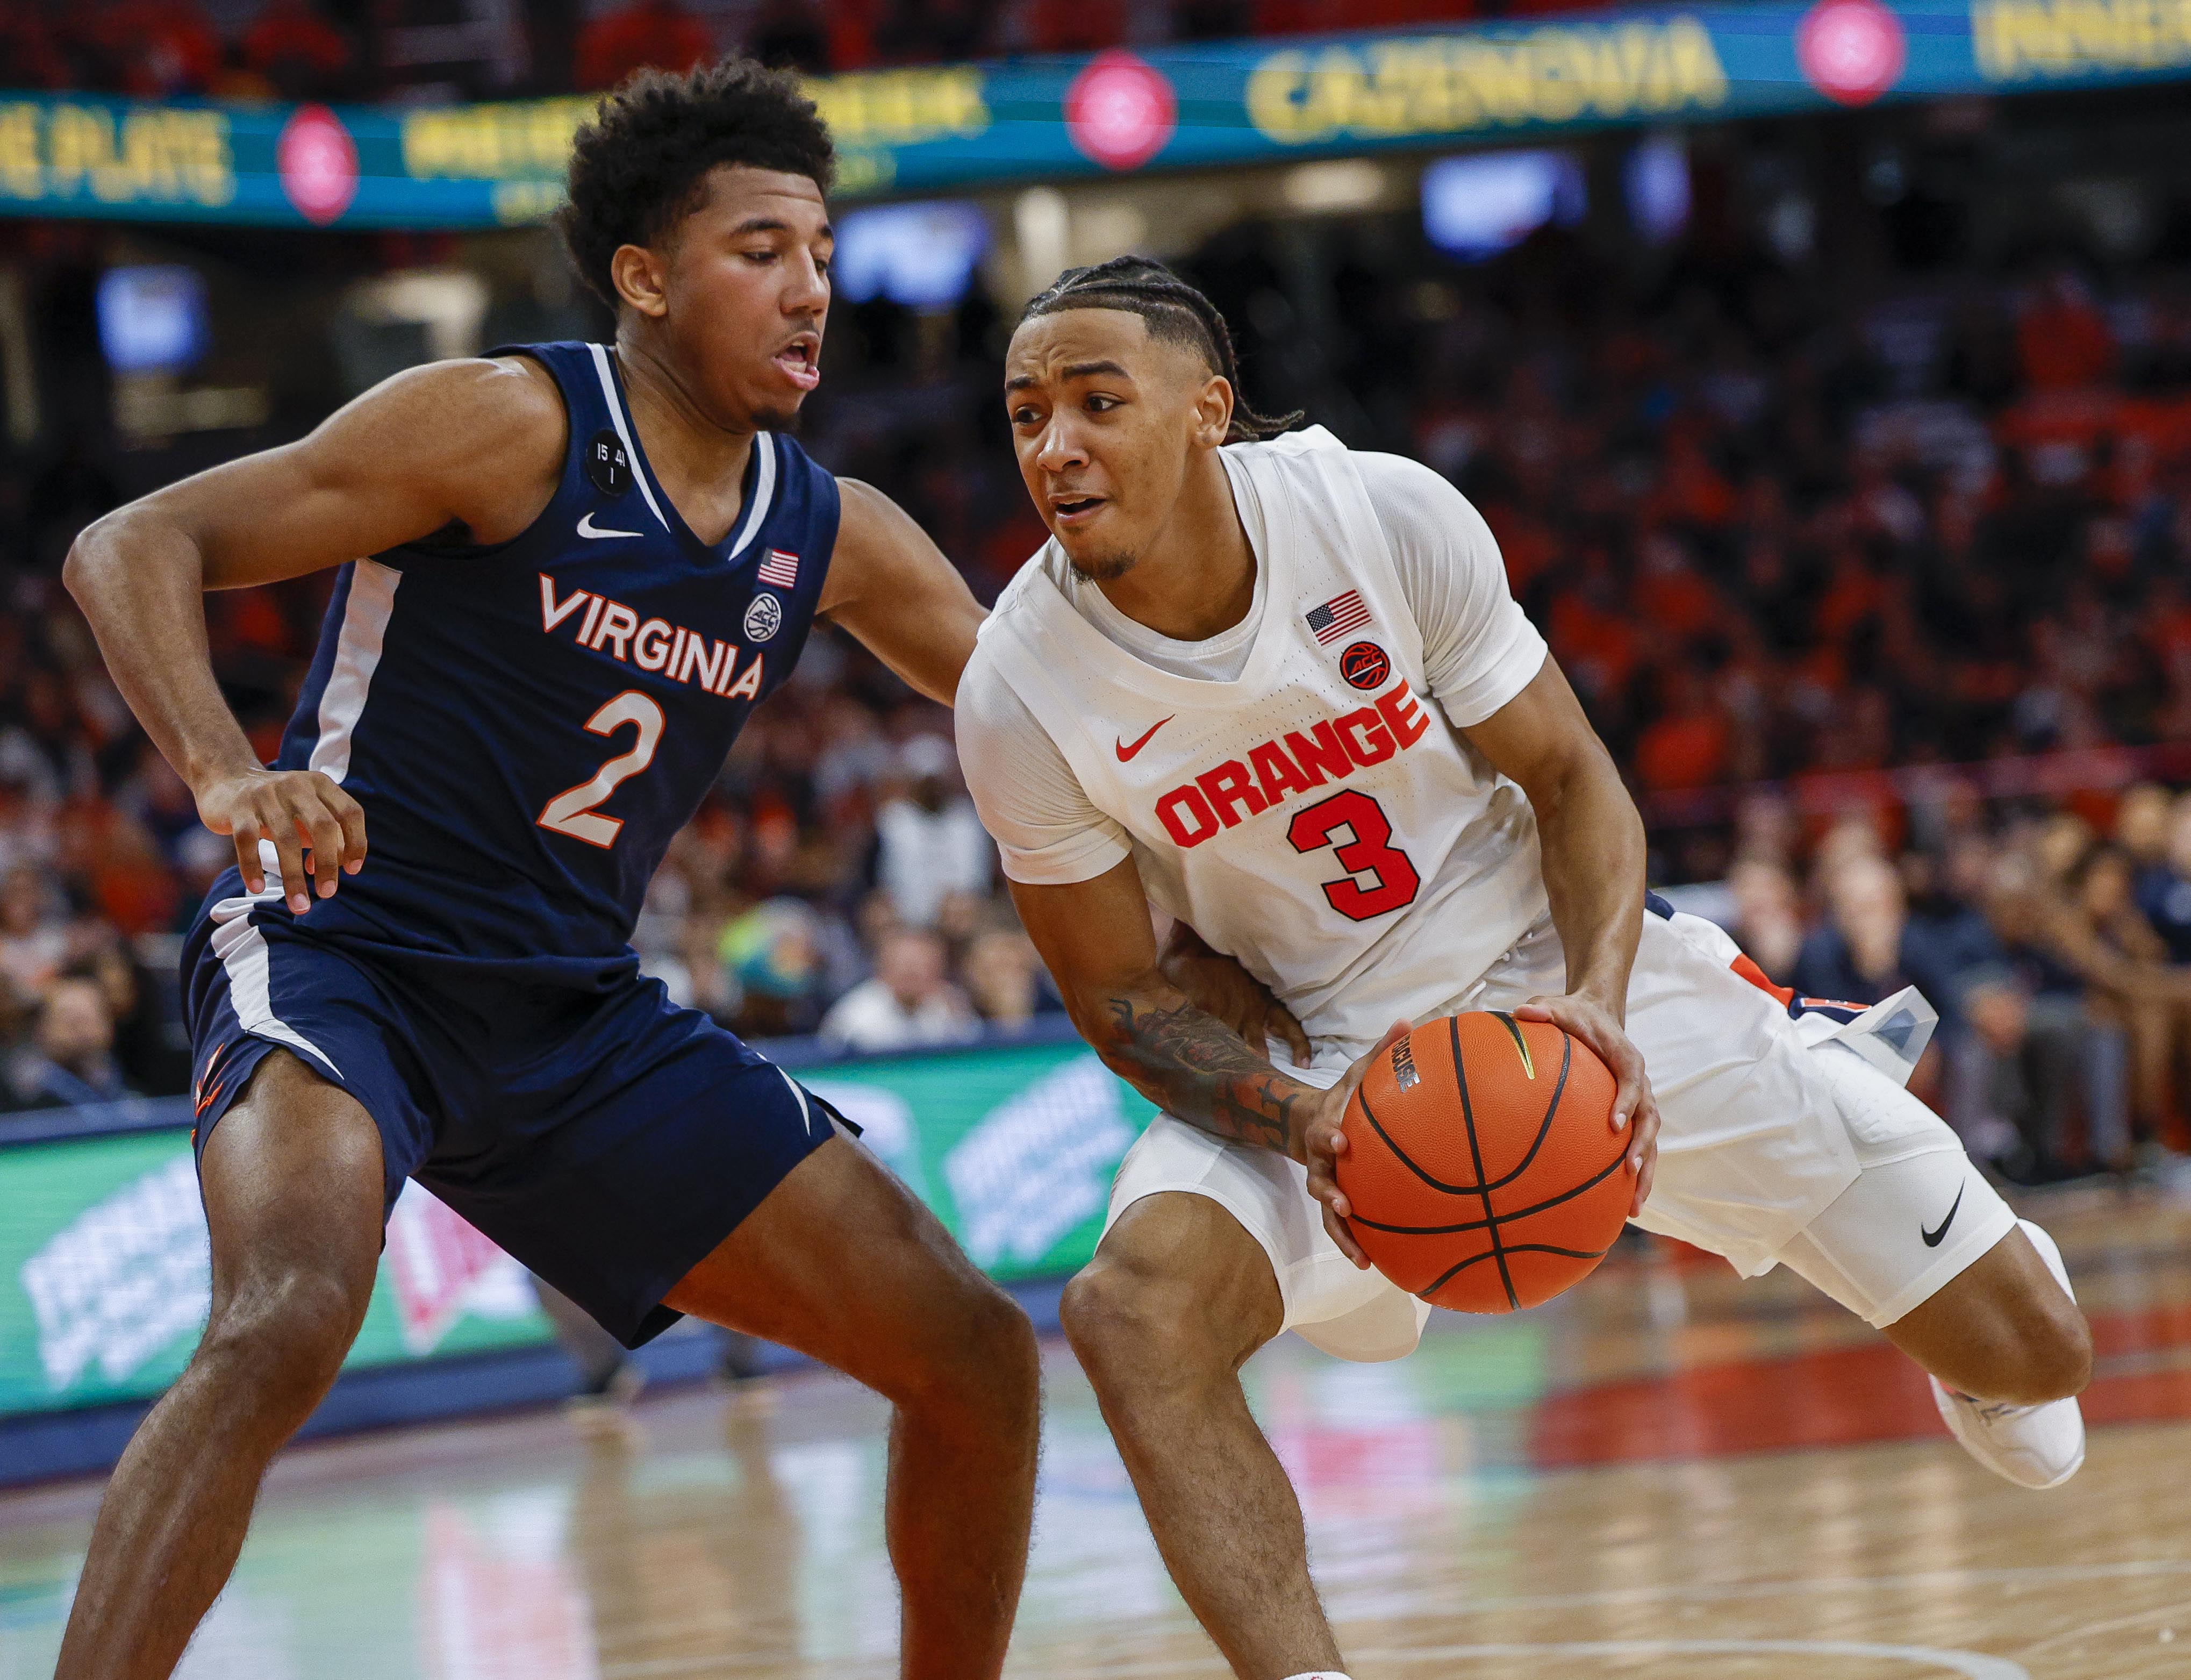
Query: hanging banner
[{"x": 951, "y": 127}]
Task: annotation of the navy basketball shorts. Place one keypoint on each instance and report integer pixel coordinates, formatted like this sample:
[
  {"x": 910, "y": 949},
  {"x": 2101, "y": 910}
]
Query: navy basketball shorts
[{"x": 608, "y": 1141}]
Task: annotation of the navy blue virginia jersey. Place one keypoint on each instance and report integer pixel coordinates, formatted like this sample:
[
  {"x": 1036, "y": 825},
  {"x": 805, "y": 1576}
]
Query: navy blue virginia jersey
[{"x": 527, "y": 724}]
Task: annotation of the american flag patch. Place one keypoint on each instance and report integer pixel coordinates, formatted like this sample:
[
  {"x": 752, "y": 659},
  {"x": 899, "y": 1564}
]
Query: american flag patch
[
  {"x": 1341, "y": 613},
  {"x": 782, "y": 570}
]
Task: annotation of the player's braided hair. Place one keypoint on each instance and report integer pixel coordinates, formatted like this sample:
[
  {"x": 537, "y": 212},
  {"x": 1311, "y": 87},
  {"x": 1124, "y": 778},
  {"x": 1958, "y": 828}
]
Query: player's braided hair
[
  {"x": 1175, "y": 312},
  {"x": 638, "y": 168}
]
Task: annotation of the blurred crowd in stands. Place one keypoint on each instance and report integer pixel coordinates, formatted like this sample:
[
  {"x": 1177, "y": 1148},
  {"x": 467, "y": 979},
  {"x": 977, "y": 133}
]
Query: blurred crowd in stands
[{"x": 345, "y": 49}]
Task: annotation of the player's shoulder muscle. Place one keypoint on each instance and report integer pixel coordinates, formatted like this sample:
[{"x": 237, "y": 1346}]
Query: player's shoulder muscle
[
  {"x": 491, "y": 434},
  {"x": 479, "y": 443}
]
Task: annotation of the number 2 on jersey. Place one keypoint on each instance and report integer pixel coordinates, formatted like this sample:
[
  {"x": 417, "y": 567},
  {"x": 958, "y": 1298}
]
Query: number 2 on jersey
[
  {"x": 571, "y": 811},
  {"x": 1369, "y": 853}
]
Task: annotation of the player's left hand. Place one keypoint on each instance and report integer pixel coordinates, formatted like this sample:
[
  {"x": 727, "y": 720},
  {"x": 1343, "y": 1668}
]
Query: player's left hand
[
  {"x": 1634, "y": 1109},
  {"x": 1322, "y": 1143}
]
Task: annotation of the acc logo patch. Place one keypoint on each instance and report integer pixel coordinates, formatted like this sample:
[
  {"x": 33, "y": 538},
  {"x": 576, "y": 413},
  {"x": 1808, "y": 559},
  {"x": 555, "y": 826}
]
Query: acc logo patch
[
  {"x": 608, "y": 464},
  {"x": 764, "y": 619},
  {"x": 1365, "y": 665}
]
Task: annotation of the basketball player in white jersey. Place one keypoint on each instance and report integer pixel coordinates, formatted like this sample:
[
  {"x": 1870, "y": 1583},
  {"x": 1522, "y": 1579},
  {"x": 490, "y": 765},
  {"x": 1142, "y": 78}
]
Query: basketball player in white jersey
[{"x": 1279, "y": 689}]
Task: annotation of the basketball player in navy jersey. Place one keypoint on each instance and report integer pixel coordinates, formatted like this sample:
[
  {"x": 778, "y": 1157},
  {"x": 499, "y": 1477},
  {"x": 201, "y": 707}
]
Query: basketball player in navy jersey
[{"x": 588, "y": 565}]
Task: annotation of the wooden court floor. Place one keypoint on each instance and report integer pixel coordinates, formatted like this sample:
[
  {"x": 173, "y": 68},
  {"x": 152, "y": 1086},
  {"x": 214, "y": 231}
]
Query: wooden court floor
[{"x": 1665, "y": 1474}]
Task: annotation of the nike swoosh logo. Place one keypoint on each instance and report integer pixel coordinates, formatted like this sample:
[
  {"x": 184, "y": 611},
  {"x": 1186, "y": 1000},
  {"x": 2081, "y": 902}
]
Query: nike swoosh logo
[
  {"x": 1932, "y": 1237},
  {"x": 1126, "y": 752},
  {"x": 587, "y": 528}
]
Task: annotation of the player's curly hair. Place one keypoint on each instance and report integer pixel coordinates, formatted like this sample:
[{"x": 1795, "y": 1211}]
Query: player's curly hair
[
  {"x": 637, "y": 168},
  {"x": 1176, "y": 312}
]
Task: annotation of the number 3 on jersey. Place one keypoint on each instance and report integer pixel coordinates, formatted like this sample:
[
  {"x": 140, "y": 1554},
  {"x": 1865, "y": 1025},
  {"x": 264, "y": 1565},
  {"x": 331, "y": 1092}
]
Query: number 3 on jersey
[
  {"x": 1370, "y": 851},
  {"x": 571, "y": 811}
]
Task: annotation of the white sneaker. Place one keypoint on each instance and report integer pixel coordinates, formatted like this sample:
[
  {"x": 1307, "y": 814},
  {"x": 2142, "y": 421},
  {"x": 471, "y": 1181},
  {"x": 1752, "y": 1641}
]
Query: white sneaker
[{"x": 2040, "y": 1446}]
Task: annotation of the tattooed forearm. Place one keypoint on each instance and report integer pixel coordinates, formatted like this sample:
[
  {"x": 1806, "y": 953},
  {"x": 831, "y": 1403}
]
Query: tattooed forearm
[{"x": 1194, "y": 1066}]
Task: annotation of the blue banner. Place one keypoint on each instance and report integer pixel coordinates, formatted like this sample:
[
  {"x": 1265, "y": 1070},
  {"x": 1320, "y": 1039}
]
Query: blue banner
[{"x": 914, "y": 131}]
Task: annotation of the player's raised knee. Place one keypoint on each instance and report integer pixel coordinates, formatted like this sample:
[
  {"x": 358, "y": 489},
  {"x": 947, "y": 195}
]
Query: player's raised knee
[
  {"x": 1124, "y": 1320},
  {"x": 2028, "y": 1350}
]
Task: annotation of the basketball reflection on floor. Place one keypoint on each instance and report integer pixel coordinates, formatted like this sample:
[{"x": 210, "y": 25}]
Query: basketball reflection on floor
[{"x": 1666, "y": 1474}]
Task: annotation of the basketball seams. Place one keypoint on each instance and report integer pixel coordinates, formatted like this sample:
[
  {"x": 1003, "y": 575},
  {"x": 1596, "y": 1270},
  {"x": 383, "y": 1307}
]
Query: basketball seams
[
  {"x": 1559, "y": 1087},
  {"x": 1433, "y": 1287},
  {"x": 1362, "y": 1097},
  {"x": 1591, "y": 1183},
  {"x": 1495, "y": 1228},
  {"x": 1544, "y": 1128},
  {"x": 1476, "y": 1154}
]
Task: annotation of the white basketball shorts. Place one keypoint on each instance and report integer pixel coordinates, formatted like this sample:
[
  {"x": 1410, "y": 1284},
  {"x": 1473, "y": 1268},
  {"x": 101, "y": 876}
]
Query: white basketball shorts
[{"x": 1778, "y": 1144}]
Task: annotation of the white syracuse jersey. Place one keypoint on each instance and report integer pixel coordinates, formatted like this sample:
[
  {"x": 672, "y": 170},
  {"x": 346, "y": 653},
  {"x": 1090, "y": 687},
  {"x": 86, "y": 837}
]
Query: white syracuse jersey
[{"x": 1318, "y": 818}]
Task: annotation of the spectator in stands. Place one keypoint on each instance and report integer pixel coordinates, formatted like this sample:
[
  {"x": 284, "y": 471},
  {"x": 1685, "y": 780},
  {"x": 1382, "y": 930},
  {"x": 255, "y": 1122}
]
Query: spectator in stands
[
  {"x": 1855, "y": 955},
  {"x": 931, "y": 841},
  {"x": 1768, "y": 923},
  {"x": 1073, "y": 25},
  {"x": 1000, "y": 974},
  {"x": 939, "y": 32},
  {"x": 2073, "y": 1058},
  {"x": 791, "y": 35},
  {"x": 644, "y": 35},
  {"x": 157, "y": 48},
  {"x": 773, "y": 971},
  {"x": 2130, "y": 989},
  {"x": 71, "y": 1060},
  {"x": 1949, "y": 938},
  {"x": 2007, "y": 1091},
  {"x": 910, "y": 1002},
  {"x": 2062, "y": 337},
  {"x": 30, "y": 54},
  {"x": 297, "y": 52},
  {"x": 27, "y": 803},
  {"x": 2164, "y": 888},
  {"x": 34, "y": 935},
  {"x": 150, "y": 1049}
]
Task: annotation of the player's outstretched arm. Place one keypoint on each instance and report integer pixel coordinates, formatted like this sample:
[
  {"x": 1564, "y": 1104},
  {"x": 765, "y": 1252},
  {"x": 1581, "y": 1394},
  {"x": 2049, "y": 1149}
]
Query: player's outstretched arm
[
  {"x": 892, "y": 587},
  {"x": 1592, "y": 841},
  {"x": 475, "y": 443}
]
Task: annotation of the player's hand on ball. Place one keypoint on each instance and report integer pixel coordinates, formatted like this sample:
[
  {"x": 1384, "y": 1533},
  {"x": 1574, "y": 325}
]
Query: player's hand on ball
[
  {"x": 1217, "y": 985},
  {"x": 1634, "y": 1108},
  {"x": 294, "y": 809},
  {"x": 1323, "y": 1142}
]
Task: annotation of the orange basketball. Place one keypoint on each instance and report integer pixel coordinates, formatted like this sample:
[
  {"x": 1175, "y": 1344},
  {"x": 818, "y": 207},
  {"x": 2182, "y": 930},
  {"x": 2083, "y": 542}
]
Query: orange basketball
[{"x": 1482, "y": 1165}]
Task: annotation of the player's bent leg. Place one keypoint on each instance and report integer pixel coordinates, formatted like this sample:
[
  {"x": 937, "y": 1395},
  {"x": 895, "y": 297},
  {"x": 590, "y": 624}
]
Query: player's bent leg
[
  {"x": 1177, "y": 1298},
  {"x": 2036, "y": 1444},
  {"x": 2004, "y": 1330},
  {"x": 1924, "y": 1249},
  {"x": 293, "y": 1183},
  {"x": 842, "y": 1263}
]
